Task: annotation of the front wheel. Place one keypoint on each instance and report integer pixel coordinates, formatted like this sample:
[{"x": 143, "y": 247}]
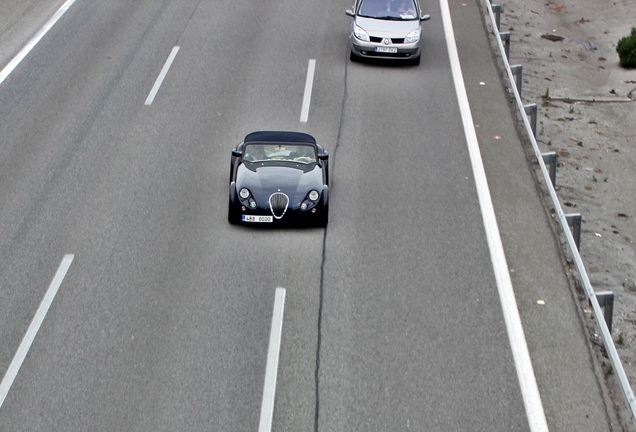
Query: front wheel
[
  {"x": 323, "y": 221},
  {"x": 232, "y": 217},
  {"x": 323, "y": 218},
  {"x": 232, "y": 214}
]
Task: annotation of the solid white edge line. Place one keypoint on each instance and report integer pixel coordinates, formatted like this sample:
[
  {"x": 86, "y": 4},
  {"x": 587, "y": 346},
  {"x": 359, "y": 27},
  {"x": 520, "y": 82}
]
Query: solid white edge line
[
  {"x": 271, "y": 370},
  {"x": 309, "y": 83},
  {"x": 6, "y": 71},
  {"x": 32, "y": 331},
  {"x": 516, "y": 336},
  {"x": 162, "y": 75}
]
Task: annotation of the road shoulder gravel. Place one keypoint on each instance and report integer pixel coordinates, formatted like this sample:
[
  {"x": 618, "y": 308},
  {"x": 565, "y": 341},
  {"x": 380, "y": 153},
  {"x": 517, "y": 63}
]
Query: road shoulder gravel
[{"x": 568, "y": 372}]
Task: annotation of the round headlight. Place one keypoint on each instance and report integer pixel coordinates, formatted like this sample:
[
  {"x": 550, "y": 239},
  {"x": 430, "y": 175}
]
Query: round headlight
[
  {"x": 252, "y": 204},
  {"x": 303, "y": 206},
  {"x": 244, "y": 193},
  {"x": 313, "y": 195}
]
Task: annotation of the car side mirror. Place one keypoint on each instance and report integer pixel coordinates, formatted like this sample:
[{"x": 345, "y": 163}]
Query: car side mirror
[
  {"x": 425, "y": 17},
  {"x": 323, "y": 156},
  {"x": 237, "y": 153},
  {"x": 349, "y": 12}
]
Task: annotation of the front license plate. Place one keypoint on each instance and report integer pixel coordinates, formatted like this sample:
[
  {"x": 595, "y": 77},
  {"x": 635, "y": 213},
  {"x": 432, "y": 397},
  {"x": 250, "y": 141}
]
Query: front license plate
[
  {"x": 250, "y": 218},
  {"x": 386, "y": 49}
]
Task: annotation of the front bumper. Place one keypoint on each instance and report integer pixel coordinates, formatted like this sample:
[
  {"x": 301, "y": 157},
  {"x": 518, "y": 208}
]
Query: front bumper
[
  {"x": 292, "y": 217},
  {"x": 374, "y": 50},
  {"x": 239, "y": 213}
]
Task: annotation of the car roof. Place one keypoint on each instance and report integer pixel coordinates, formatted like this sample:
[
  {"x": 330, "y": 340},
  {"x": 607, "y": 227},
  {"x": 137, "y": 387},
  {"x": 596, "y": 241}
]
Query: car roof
[{"x": 279, "y": 136}]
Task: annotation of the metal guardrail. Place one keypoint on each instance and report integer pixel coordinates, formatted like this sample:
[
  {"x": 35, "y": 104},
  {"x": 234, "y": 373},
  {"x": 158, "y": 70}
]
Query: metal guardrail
[{"x": 566, "y": 221}]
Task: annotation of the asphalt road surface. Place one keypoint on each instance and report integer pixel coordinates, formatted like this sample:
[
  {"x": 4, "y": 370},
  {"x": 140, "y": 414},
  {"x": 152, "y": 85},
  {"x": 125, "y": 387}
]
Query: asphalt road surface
[{"x": 392, "y": 318}]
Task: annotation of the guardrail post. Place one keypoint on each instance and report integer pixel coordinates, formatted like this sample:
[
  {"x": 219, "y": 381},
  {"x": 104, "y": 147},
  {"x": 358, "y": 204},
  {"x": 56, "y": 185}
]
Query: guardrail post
[
  {"x": 517, "y": 71},
  {"x": 531, "y": 111},
  {"x": 505, "y": 39},
  {"x": 496, "y": 9},
  {"x": 606, "y": 301},
  {"x": 574, "y": 221},
  {"x": 551, "y": 159}
]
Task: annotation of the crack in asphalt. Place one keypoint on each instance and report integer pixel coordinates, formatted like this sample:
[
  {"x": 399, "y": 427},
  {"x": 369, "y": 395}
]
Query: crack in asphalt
[{"x": 324, "y": 256}]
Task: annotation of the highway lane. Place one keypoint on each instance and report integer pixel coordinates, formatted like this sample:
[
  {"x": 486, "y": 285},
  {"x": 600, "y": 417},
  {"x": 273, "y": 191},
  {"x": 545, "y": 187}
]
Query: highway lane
[
  {"x": 49, "y": 116},
  {"x": 162, "y": 322},
  {"x": 414, "y": 338},
  {"x": 156, "y": 293}
]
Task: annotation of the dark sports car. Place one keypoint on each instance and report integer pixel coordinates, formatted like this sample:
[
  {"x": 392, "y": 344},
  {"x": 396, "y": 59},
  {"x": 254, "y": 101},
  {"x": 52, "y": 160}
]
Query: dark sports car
[{"x": 279, "y": 178}]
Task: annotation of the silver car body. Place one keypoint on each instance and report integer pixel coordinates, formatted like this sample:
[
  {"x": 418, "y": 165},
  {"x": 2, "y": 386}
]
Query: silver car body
[{"x": 386, "y": 29}]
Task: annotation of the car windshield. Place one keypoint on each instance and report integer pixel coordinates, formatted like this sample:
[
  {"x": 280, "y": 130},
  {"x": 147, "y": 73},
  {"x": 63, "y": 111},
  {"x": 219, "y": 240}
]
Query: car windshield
[
  {"x": 297, "y": 153},
  {"x": 388, "y": 9}
]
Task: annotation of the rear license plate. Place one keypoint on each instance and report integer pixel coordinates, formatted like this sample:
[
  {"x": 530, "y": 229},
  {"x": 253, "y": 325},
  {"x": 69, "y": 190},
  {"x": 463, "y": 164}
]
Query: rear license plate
[
  {"x": 250, "y": 218},
  {"x": 386, "y": 49}
]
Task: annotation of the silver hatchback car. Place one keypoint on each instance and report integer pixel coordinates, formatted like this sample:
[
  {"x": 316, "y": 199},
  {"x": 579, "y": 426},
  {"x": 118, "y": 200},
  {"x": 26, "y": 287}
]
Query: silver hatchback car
[{"x": 386, "y": 29}]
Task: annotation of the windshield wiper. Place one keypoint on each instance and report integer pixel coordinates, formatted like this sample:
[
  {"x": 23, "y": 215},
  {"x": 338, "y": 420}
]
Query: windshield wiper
[{"x": 388, "y": 18}]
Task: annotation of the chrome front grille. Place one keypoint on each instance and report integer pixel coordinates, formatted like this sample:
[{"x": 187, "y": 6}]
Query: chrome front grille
[{"x": 278, "y": 203}]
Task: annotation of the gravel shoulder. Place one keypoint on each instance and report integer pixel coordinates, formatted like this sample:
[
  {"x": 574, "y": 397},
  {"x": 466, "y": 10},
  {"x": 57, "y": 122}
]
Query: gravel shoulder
[{"x": 587, "y": 115}]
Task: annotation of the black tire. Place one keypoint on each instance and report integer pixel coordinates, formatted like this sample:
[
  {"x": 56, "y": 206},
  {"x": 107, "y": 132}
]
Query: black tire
[
  {"x": 416, "y": 61},
  {"x": 354, "y": 58},
  {"x": 324, "y": 221},
  {"x": 232, "y": 216},
  {"x": 324, "y": 217}
]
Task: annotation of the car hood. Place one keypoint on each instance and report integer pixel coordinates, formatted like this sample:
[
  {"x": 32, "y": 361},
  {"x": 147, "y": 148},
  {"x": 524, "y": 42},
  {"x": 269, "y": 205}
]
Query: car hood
[
  {"x": 387, "y": 28},
  {"x": 265, "y": 180}
]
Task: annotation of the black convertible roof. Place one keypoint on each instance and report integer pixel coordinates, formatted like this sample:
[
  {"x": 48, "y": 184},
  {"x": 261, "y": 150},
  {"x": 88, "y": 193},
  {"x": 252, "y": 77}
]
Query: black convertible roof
[{"x": 280, "y": 136}]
